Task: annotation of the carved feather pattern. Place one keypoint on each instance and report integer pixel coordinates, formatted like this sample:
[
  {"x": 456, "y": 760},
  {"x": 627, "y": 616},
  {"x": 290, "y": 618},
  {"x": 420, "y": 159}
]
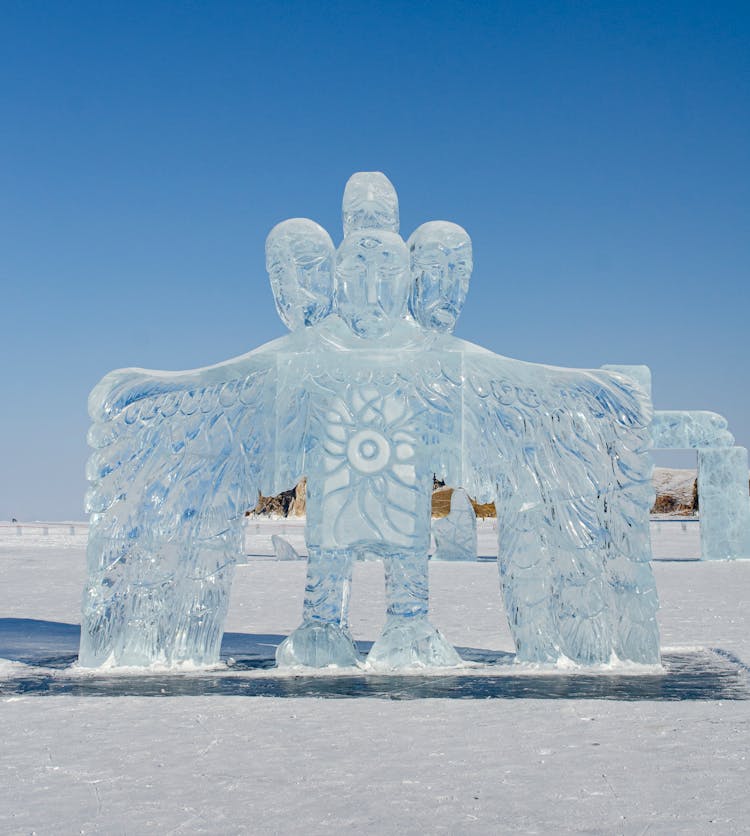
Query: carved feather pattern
[
  {"x": 564, "y": 454},
  {"x": 177, "y": 459}
]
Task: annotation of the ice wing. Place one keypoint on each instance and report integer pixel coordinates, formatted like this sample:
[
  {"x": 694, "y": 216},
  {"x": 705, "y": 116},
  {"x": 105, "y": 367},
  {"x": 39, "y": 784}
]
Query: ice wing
[
  {"x": 177, "y": 460},
  {"x": 565, "y": 453}
]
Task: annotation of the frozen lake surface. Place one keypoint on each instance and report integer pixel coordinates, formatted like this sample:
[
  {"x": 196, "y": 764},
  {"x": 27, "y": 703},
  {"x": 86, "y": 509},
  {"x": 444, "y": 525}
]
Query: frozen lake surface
[{"x": 243, "y": 749}]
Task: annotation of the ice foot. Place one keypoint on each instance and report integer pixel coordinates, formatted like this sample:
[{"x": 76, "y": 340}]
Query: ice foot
[
  {"x": 411, "y": 642},
  {"x": 317, "y": 644}
]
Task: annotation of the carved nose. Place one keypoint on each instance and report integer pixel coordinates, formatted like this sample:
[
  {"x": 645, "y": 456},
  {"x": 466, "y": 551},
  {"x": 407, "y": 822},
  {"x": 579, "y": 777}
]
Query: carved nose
[{"x": 372, "y": 291}]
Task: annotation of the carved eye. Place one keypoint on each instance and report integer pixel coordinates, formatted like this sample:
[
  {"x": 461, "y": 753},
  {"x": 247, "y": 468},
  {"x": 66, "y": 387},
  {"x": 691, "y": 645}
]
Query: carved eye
[{"x": 309, "y": 261}]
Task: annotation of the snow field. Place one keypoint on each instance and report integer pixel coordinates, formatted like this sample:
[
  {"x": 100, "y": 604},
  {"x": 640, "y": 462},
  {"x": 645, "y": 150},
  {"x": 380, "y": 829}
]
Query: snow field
[{"x": 259, "y": 765}]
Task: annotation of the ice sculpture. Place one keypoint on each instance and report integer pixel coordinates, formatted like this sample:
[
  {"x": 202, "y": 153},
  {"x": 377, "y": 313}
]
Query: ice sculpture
[
  {"x": 283, "y": 549},
  {"x": 676, "y": 430},
  {"x": 369, "y": 396},
  {"x": 722, "y": 472},
  {"x": 456, "y": 534},
  {"x": 368, "y": 462},
  {"x": 724, "y": 503},
  {"x": 722, "y": 478}
]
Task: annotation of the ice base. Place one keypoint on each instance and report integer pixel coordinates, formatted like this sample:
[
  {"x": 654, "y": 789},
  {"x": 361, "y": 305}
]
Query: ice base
[
  {"x": 318, "y": 644},
  {"x": 411, "y": 642}
]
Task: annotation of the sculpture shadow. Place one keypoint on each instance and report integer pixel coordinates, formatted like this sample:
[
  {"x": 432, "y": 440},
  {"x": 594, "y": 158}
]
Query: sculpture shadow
[
  {"x": 54, "y": 644},
  {"x": 49, "y": 644}
]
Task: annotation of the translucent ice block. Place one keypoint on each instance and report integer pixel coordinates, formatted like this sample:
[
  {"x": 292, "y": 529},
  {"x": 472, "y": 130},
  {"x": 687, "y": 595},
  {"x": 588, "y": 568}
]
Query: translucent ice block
[{"x": 456, "y": 534}]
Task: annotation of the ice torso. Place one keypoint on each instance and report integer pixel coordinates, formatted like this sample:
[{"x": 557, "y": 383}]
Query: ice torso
[{"x": 375, "y": 415}]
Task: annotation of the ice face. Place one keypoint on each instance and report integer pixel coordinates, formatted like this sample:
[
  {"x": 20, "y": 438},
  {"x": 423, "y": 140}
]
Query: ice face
[
  {"x": 370, "y": 202},
  {"x": 372, "y": 282},
  {"x": 441, "y": 264},
  {"x": 299, "y": 260}
]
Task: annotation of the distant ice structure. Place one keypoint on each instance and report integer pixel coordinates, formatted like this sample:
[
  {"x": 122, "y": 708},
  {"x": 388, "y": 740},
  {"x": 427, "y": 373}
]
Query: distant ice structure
[
  {"x": 722, "y": 473},
  {"x": 283, "y": 549},
  {"x": 369, "y": 396},
  {"x": 673, "y": 430},
  {"x": 724, "y": 503},
  {"x": 456, "y": 534},
  {"x": 722, "y": 478}
]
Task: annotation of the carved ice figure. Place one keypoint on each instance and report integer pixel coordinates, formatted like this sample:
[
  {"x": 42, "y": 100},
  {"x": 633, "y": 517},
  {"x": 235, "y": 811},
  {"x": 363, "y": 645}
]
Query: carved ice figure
[
  {"x": 368, "y": 403},
  {"x": 367, "y": 464},
  {"x": 456, "y": 534},
  {"x": 178, "y": 458}
]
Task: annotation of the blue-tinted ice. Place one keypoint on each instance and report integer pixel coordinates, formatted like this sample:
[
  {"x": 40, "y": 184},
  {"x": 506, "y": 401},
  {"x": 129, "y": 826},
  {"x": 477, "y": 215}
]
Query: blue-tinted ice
[
  {"x": 456, "y": 534},
  {"x": 369, "y": 396},
  {"x": 283, "y": 549}
]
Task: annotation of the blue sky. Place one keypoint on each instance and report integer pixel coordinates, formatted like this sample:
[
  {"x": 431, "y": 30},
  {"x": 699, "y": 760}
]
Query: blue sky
[{"x": 597, "y": 153}]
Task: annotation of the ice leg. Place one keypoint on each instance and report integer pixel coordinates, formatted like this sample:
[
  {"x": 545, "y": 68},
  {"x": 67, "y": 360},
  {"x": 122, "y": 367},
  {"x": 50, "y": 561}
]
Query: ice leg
[
  {"x": 323, "y": 638},
  {"x": 408, "y": 639},
  {"x": 634, "y": 602},
  {"x": 407, "y": 585},
  {"x": 525, "y": 565}
]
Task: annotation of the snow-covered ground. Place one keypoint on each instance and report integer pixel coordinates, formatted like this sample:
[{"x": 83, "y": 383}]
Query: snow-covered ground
[{"x": 231, "y": 764}]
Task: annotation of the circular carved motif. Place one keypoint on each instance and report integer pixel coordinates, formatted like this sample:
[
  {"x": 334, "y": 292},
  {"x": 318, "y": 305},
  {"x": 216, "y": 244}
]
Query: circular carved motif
[{"x": 368, "y": 451}]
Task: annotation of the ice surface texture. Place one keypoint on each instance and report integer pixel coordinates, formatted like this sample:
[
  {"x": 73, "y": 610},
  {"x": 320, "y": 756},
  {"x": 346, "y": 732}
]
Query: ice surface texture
[
  {"x": 369, "y": 396},
  {"x": 724, "y": 503}
]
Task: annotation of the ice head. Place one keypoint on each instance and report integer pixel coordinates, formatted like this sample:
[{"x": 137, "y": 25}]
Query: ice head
[
  {"x": 441, "y": 264},
  {"x": 372, "y": 282},
  {"x": 370, "y": 202},
  {"x": 299, "y": 259}
]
